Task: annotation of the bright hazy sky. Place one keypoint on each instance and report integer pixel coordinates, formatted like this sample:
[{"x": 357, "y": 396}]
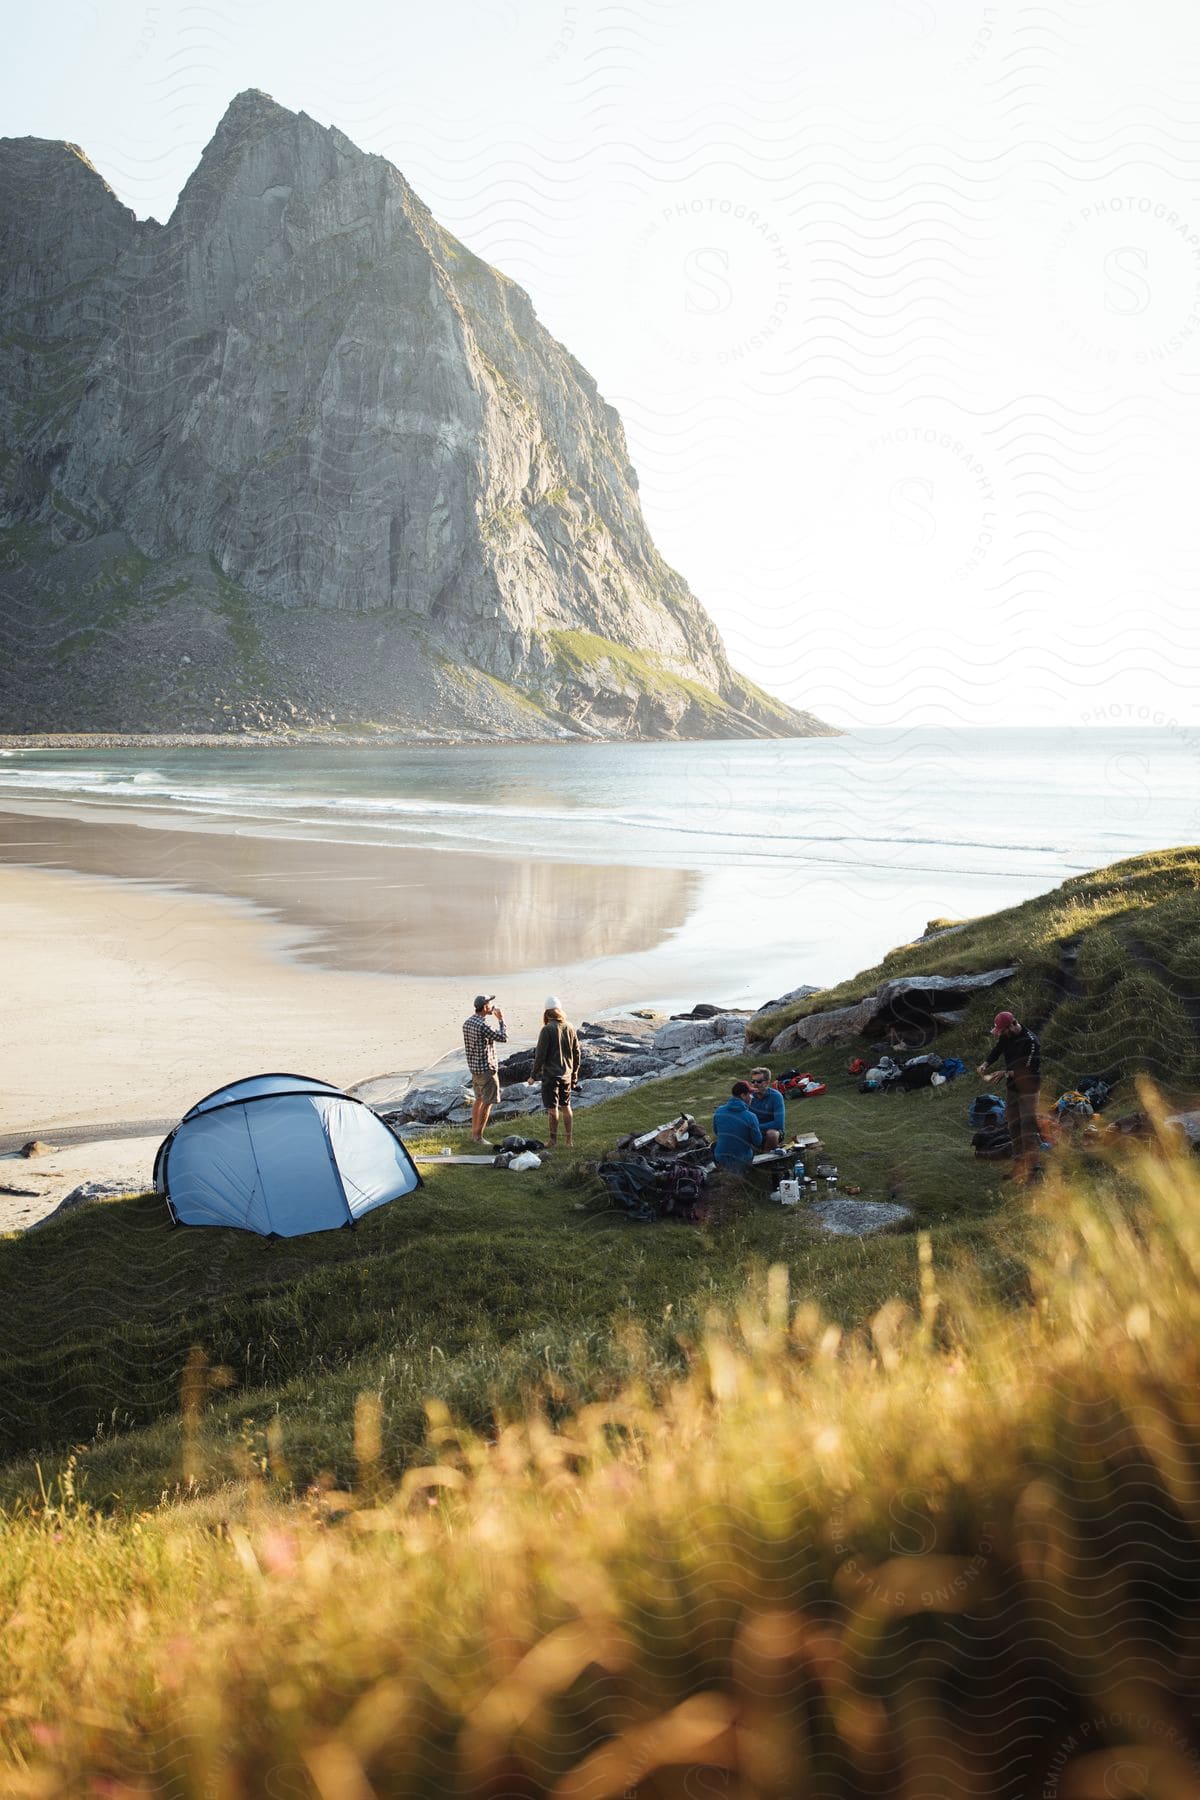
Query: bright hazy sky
[{"x": 899, "y": 299}]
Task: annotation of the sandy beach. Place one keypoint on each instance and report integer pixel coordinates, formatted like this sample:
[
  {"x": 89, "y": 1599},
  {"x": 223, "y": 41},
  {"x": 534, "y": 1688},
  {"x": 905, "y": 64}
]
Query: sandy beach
[{"x": 140, "y": 973}]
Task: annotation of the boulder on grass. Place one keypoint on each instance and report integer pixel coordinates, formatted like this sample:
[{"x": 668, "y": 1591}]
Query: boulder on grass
[
  {"x": 908, "y": 1003},
  {"x": 799, "y": 993},
  {"x": 857, "y": 1218},
  {"x": 91, "y": 1190}
]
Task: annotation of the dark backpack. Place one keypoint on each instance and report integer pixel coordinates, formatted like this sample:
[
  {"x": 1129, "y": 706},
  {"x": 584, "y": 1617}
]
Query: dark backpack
[
  {"x": 679, "y": 1188},
  {"x": 993, "y": 1142},
  {"x": 1096, "y": 1089},
  {"x": 631, "y": 1183},
  {"x": 985, "y": 1108}
]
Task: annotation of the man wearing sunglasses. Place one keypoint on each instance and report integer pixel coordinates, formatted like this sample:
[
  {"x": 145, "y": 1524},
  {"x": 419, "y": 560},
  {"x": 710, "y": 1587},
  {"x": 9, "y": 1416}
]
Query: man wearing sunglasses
[{"x": 766, "y": 1103}]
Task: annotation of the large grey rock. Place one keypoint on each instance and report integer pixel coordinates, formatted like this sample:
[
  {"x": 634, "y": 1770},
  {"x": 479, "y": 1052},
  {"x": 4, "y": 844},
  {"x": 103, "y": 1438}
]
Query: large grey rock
[
  {"x": 731, "y": 1025},
  {"x": 520, "y": 1098},
  {"x": 826, "y": 1027},
  {"x": 943, "y": 984},
  {"x": 425, "y": 1106},
  {"x": 632, "y": 1064},
  {"x": 301, "y": 396},
  {"x": 797, "y": 993},
  {"x": 591, "y": 1093},
  {"x": 857, "y": 1218},
  {"x": 706, "y": 1053},
  {"x": 679, "y": 1035},
  {"x": 92, "y": 1190},
  {"x": 909, "y": 1000}
]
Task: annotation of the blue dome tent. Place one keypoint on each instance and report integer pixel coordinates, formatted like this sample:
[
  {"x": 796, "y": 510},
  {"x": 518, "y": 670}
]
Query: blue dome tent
[{"x": 281, "y": 1155}]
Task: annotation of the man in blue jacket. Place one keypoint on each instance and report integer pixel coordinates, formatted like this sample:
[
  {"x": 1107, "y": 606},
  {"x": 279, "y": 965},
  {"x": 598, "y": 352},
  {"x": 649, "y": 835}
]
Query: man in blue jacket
[
  {"x": 739, "y": 1133},
  {"x": 766, "y": 1103}
]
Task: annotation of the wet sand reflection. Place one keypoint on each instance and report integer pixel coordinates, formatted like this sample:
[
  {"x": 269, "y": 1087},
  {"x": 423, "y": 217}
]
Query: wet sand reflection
[{"x": 373, "y": 907}]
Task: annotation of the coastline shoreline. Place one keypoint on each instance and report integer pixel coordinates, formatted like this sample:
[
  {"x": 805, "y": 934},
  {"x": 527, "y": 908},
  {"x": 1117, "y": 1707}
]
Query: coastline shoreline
[{"x": 146, "y": 967}]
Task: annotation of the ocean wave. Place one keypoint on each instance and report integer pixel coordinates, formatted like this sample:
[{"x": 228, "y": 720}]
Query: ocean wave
[{"x": 416, "y": 813}]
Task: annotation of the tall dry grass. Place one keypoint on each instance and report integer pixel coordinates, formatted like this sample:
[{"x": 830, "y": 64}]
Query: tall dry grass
[{"x": 955, "y": 1555}]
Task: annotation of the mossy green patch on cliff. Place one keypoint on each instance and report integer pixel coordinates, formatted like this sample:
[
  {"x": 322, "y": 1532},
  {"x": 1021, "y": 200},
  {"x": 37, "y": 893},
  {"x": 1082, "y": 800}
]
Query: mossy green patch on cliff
[
  {"x": 502, "y": 523},
  {"x": 580, "y": 655},
  {"x": 237, "y": 609}
]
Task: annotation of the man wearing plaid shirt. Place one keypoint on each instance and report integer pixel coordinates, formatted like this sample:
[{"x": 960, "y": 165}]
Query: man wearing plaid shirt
[{"x": 481, "y": 1039}]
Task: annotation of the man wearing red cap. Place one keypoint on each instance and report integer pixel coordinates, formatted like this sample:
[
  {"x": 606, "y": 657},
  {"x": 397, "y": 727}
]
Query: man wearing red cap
[{"x": 1023, "y": 1061}]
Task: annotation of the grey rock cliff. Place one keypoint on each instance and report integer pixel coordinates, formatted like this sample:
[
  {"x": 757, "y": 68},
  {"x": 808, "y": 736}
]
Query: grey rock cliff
[{"x": 302, "y": 401}]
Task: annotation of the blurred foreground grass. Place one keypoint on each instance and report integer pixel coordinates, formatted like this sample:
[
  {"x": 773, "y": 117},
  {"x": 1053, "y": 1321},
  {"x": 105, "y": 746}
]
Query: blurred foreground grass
[{"x": 955, "y": 1552}]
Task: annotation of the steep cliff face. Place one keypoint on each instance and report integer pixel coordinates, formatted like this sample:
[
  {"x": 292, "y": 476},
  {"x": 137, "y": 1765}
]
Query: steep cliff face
[{"x": 302, "y": 391}]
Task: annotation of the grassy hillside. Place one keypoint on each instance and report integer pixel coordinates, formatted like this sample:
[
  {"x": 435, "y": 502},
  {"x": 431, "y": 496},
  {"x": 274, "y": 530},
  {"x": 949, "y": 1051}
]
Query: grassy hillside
[
  {"x": 1108, "y": 972},
  {"x": 486, "y": 1287},
  {"x": 952, "y": 1554},
  {"x": 500, "y": 1495}
]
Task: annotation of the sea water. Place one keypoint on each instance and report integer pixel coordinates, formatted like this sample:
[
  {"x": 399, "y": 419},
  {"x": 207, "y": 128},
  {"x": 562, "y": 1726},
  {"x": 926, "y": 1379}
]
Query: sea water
[{"x": 811, "y": 857}]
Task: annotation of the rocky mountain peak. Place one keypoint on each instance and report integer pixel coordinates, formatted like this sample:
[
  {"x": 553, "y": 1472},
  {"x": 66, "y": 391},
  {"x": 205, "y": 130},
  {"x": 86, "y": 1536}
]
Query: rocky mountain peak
[
  {"x": 60, "y": 222},
  {"x": 306, "y": 388}
]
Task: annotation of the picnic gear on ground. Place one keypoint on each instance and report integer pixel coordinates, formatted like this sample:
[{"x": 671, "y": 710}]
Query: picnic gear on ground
[
  {"x": 881, "y": 1075},
  {"x": 992, "y": 1142},
  {"x": 952, "y": 1067},
  {"x": 444, "y": 1156},
  {"x": 767, "y": 1107},
  {"x": 1073, "y": 1105},
  {"x": 679, "y": 1187},
  {"x": 660, "y": 1172},
  {"x": 800, "y": 1085},
  {"x": 1096, "y": 1089},
  {"x": 525, "y": 1159},
  {"x": 984, "y": 1109},
  {"x": 281, "y": 1155},
  {"x": 630, "y": 1180},
  {"x": 856, "y": 1066},
  {"x": 738, "y": 1133}
]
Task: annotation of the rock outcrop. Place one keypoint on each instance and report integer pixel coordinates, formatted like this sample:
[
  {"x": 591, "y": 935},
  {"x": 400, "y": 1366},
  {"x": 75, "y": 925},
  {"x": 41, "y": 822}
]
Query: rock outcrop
[
  {"x": 912, "y": 1005},
  {"x": 299, "y": 454}
]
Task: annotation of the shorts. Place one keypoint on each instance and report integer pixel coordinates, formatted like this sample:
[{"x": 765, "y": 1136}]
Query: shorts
[
  {"x": 487, "y": 1087},
  {"x": 556, "y": 1091}
]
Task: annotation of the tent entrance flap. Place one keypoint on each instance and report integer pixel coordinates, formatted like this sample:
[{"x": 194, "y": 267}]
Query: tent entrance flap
[{"x": 374, "y": 1168}]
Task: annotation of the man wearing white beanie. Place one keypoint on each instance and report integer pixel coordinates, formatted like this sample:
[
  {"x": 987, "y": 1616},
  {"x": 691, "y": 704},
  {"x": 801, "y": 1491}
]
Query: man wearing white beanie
[{"x": 556, "y": 1064}]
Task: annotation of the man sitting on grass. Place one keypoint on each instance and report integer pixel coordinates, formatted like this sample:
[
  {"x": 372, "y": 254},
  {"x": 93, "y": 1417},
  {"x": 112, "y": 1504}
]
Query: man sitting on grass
[
  {"x": 738, "y": 1132},
  {"x": 766, "y": 1103}
]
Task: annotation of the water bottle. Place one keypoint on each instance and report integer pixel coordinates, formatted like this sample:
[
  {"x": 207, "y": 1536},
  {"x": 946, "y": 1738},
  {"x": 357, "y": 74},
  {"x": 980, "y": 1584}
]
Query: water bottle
[{"x": 798, "y": 1171}]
